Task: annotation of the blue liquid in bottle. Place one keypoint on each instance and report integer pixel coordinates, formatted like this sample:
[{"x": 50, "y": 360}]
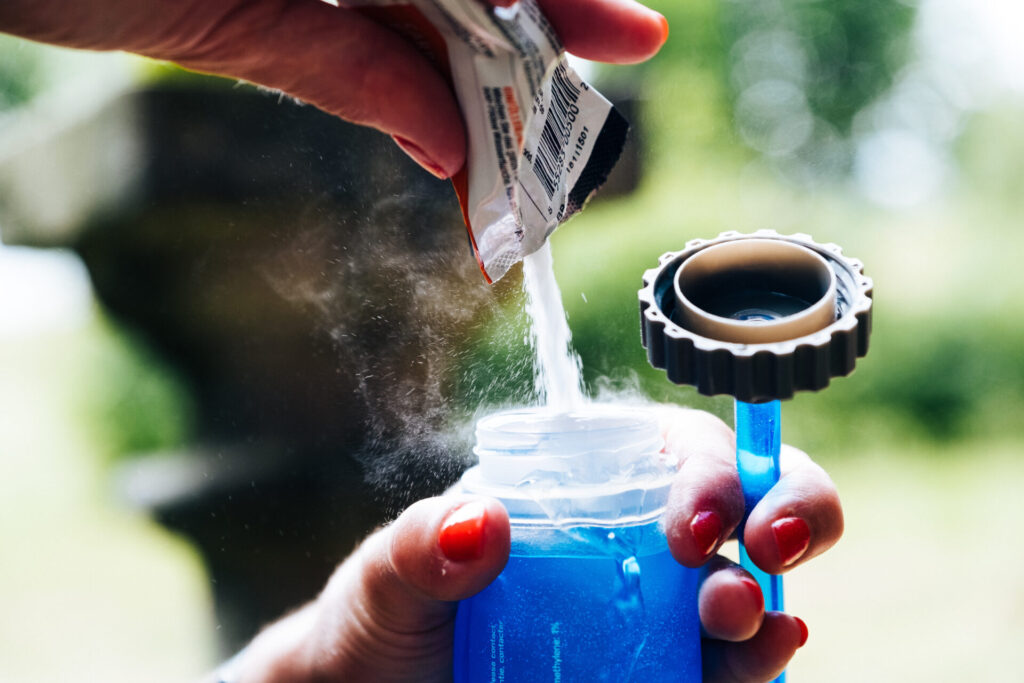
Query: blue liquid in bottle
[{"x": 590, "y": 592}]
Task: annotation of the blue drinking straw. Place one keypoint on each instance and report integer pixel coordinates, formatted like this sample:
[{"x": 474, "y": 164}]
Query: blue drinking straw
[{"x": 758, "y": 441}]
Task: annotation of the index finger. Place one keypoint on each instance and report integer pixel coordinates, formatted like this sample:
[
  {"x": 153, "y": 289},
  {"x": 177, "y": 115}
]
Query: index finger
[
  {"x": 706, "y": 501},
  {"x": 614, "y": 31},
  {"x": 799, "y": 518}
]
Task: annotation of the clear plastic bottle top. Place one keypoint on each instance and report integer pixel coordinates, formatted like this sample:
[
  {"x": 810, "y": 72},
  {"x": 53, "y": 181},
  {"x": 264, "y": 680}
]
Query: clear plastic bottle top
[{"x": 600, "y": 465}]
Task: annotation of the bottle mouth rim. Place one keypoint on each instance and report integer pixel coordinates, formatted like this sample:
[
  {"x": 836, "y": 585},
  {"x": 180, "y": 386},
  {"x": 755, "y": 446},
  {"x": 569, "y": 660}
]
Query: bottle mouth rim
[
  {"x": 603, "y": 464},
  {"x": 530, "y": 424},
  {"x": 614, "y": 505}
]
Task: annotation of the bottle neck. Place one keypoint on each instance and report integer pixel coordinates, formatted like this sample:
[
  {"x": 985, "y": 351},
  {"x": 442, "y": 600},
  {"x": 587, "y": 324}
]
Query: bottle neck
[{"x": 601, "y": 465}]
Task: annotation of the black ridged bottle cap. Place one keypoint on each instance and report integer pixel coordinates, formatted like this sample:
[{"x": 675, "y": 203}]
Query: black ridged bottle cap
[{"x": 762, "y": 370}]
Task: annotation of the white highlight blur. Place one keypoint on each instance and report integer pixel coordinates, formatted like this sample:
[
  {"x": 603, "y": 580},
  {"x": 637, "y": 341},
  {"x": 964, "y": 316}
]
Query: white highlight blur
[
  {"x": 42, "y": 290},
  {"x": 968, "y": 55},
  {"x": 897, "y": 168}
]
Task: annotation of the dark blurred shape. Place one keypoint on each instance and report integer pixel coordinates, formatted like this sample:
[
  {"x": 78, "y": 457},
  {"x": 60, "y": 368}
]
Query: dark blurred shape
[
  {"x": 309, "y": 284},
  {"x": 625, "y": 175}
]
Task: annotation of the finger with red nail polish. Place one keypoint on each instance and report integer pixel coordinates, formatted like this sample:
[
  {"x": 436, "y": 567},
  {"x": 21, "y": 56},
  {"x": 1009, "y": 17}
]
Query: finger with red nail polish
[
  {"x": 798, "y": 519},
  {"x": 706, "y": 501},
  {"x": 804, "y": 632},
  {"x": 760, "y": 658},
  {"x": 730, "y": 602},
  {"x": 388, "y": 612},
  {"x": 450, "y": 548}
]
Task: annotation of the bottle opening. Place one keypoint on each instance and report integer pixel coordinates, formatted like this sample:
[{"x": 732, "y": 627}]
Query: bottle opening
[{"x": 599, "y": 463}]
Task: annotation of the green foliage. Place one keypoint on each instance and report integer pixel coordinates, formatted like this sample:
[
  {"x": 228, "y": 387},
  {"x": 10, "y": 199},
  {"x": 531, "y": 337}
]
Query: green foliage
[
  {"x": 991, "y": 153},
  {"x": 926, "y": 379},
  {"x": 845, "y": 52},
  {"x": 784, "y": 79},
  {"x": 19, "y": 72},
  {"x": 136, "y": 403}
]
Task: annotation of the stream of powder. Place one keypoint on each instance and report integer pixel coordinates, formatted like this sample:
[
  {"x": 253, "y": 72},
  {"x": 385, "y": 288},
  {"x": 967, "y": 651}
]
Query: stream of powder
[{"x": 558, "y": 378}]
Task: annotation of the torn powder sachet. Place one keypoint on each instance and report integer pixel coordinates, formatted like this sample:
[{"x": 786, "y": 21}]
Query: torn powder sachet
[{"x": 540, "y": 140}]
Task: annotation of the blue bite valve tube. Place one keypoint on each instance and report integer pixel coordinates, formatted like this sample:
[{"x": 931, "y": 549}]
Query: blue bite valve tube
[{"x": 758, "y": 442}]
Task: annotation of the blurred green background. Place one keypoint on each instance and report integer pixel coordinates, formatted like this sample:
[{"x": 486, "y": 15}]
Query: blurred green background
[{"x": 892, "y": 128}]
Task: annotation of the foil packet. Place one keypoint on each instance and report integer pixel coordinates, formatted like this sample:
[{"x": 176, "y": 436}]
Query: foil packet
[{"x": 540, "y": 140}]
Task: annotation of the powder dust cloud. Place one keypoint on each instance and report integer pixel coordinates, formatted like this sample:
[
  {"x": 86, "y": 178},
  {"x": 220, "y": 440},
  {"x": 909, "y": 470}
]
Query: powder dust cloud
[
  {"x": 398, "y": 296},
  {"x": 424, "y": 346}
]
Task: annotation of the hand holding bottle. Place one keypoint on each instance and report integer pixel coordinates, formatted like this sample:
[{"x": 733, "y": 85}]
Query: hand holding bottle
[{"x": 388, "y": 612}]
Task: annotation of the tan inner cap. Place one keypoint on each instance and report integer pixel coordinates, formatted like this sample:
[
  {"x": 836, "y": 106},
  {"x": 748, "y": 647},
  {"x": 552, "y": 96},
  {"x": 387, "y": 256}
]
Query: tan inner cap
[{"x": 772, "y": 265}]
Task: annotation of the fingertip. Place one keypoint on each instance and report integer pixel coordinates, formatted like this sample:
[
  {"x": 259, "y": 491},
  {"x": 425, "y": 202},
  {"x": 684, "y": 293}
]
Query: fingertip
[
  {"x": 417, "y": 154},
  {"x": 706, "y": 529},
  {"x": 706, "y": 500},
  {"x": 786, "y": 633},
  {"x": 799, "y": 519},
  {"x": 473, "y": 529},
  {"x": 693, "y": 538},
  {"x": 792, "y": 539},
  {"x": 730, "y": 604},
  {"x": 760, "y": 658},
  {"x": 804, "y": 631},
  {"x": 648, "y": 34},
  {"x": 654, "y": 34},
  {"x": 778, "y": 545},
  {"x": 440, "y": 151},
  {"x": 614, "y": 31},
  {"x": 450, "y": 548},
  {"x": 753, "y": 592}
]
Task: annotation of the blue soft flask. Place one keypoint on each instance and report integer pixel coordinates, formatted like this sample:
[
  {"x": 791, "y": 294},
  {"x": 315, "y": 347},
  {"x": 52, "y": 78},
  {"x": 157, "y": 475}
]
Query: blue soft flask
[{"x": 590, "y": 592}]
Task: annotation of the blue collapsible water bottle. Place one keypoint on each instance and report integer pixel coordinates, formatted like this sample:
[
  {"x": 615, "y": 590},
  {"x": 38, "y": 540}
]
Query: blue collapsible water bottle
[{"x": 590, "y": 591}]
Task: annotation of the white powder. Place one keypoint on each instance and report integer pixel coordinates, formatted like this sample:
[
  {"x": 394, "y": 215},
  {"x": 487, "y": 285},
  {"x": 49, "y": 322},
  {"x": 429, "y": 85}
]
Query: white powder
[{"x": 558, "y": 378}]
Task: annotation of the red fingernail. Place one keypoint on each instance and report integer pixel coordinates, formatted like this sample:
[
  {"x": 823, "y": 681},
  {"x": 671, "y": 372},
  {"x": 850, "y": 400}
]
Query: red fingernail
[
  {"x": 792, "y": 536},
  {"x": 803, "y": 631},
  {"x": 755, "y": 590},
  {"x": 706, "y": 527},
  {"x": 419, "y": 156},
  {"x": 462, "y": 533},
  {"x": 664, "y": 28}
]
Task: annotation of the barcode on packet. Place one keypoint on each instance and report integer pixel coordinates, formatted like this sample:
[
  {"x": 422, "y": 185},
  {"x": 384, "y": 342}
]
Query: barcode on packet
[{"x": 562, "y": 113}]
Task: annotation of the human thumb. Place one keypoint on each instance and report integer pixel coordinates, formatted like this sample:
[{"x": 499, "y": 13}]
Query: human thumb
[{"x": 388, "y": 612}]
